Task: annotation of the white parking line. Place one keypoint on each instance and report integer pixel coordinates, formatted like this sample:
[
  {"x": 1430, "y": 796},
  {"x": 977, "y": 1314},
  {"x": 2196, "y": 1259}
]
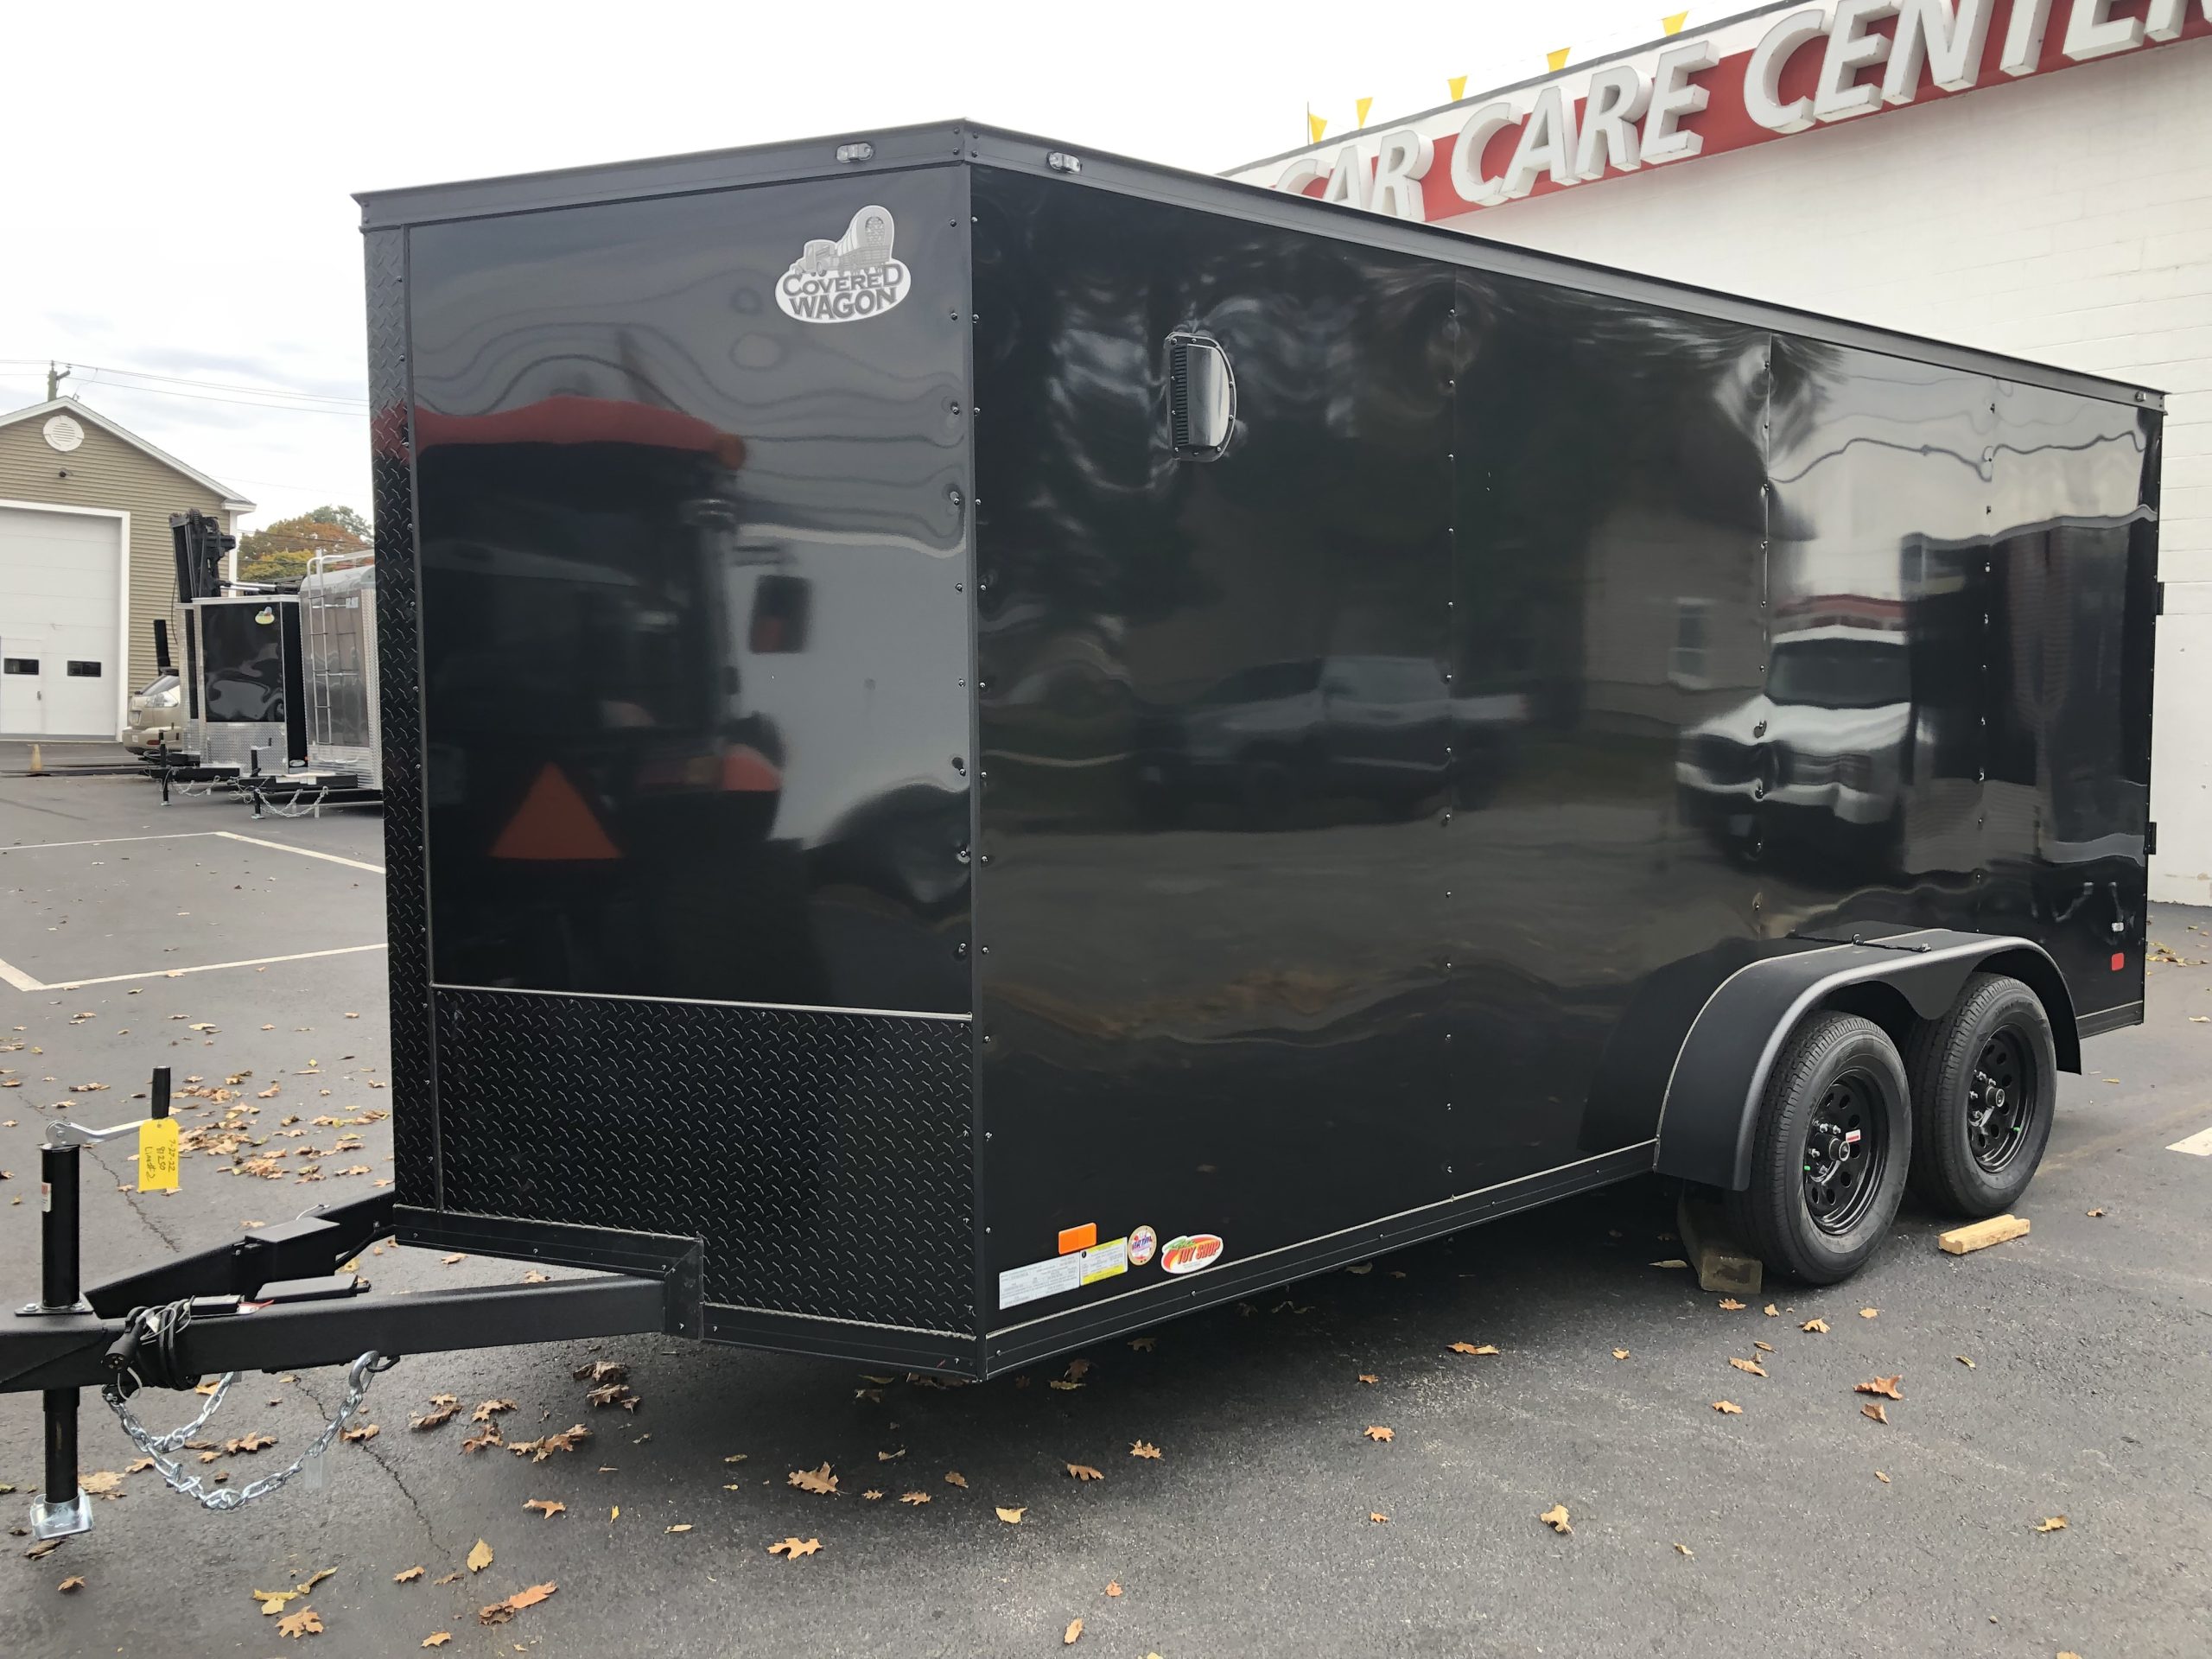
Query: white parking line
[
  {"x": 304, "y": 852},
  {"x": 2196, "y": 1146},
  {"x": 16, "y": 976},
  {"x": 204, "y": 967},
  {"x": 106, "y": 841}
]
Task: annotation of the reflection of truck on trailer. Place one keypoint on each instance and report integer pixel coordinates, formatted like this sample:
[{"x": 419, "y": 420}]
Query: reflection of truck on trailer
[{"x": 759, "y": 935}]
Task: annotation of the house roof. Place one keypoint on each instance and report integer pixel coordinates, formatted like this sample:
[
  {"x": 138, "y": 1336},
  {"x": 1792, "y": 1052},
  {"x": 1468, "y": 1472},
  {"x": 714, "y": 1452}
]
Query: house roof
[{"x": 232, "y": 501}]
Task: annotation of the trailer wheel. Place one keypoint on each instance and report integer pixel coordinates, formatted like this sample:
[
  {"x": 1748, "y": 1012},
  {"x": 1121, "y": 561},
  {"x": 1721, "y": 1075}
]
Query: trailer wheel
[
  {"x": 1985, "y": 1079},
  {"x": 1828, "y": 1152}
]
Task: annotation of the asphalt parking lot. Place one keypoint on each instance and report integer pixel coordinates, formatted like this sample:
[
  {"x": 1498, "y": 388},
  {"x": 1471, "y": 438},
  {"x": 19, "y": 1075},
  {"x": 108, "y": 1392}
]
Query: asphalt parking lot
[{"x": 1270, "y": 1524}]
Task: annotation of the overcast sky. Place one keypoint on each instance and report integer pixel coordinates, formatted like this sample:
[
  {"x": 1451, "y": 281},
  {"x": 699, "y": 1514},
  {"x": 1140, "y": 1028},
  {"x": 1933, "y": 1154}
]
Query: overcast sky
[{"x": 177, "y": 203}]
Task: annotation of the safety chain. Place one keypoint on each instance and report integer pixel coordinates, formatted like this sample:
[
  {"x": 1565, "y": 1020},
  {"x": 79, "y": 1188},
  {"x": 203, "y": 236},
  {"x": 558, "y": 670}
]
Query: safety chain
[{"x": 158, "y": 1446}]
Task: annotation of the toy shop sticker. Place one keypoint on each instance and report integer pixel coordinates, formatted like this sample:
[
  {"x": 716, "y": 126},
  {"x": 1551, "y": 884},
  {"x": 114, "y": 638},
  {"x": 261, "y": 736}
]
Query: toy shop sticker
[
  {"x": 1190, "y": 1252},
  {"x": 1144, "y": 1243},
  {"x": 848, "y": 280}
]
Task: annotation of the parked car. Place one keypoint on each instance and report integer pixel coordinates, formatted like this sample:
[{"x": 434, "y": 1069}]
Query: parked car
[{"x": 156, "y": 714}]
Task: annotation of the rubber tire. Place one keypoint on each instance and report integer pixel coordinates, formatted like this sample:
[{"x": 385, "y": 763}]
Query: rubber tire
[
  {"x": 1940, "y": 1058},
  {"x": 1770, "y": 1214}
]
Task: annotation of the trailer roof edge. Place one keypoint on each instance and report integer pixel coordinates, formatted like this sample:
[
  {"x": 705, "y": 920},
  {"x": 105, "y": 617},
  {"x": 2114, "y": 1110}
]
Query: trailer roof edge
[{"x": 948, "y": 142}]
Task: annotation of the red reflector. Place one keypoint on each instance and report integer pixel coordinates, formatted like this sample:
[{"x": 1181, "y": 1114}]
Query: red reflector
[{"x": 2119, "y": 960}]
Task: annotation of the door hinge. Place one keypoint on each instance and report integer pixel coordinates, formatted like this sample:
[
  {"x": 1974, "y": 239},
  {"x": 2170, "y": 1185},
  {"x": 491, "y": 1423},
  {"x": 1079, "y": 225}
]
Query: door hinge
[
  {"x": 2150, "y": 837},
  {"x": 2160, "y": 608}
]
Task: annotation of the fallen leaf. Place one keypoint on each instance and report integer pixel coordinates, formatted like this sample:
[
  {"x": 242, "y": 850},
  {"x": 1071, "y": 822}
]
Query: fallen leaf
[
  {"x": 450, "y": 1260},
  {"x": 306, "y": 1622},
  {"x": 2050, "y": 1524},
  {"x": 1964, "y": 1361},
  {"x": 436, "y": 1417},
  {"x": 448, "y": 1579},
  {"x": 613, "y": 1393},
  {"x": 1145, "y": 1449},
  {"x": 1083, "y": 1472},
  {"x": 1728, "y": 1408},
  {"x": 548, "y": 1507},
  {"x": 490, "y": 1408},
  {"x": 813, "y": 1480},
  {"x": 1869, "y": 1313},
  {"x": 1377, "y": 1432},
  {"x": 686, "y": 1527},
  {"x": 103, "y": 1481},
  {"x": 1879, "y": 1476},
  {"x": 273, "y": 1601},
  {"x": 538, "y": 1450},
  {"x": 891, "y": 1457},
  {"x": 1074, "y": 1630},
  {"x": 870, "y": 1495},
  {"x": 791, "y": 1549},
  {"x": 1368, "y": 1376},
  {"x": 407, "y": 1575},
  {"x": 1671, "y": 1262},
  {"x": 737, "y": 1457},
  {"x": 2093, "y": 1214},
  {"x": 366, "y": 1432},
  {"x": 1885, "y": 1386},
  {"x": 1620, "y": 1353},
  {"x": 1818, "y": 1327},
  {"x": 1377, "y": 1517},
  {"x": 1877, "y": 1411},
  {"x": 1772, "y": 1312},
  {"x": 916, "y": 1498},
  {"x": 477, "y": 1442},
  {"x": 1470, "y": 1348},
  {"x": 480, "y": 1557},
  {"x": 1556, "y": 1518},
  {"x": 1751, "y": 1366},
  {"x": 437, "y": 1638},
  {"x": 1063, "y": 1385},
  {"x": 74, "y": 1581},
  {"x": 1361, "y": 1267},
  {"x": 1144, "y": 1345},
  {"x": 601, "y": 1371},
  {"x": 1012, "y": 1517},
  {"x": 1684, "y": 1549},
  {"x": 500, "y": 1611},
  {"x": 1763, "y": 1347},
  {"x": 1077, "y": 1370},
  {"x": 1730, "y": 1305},
  {"x": 534, "y": 1277}
]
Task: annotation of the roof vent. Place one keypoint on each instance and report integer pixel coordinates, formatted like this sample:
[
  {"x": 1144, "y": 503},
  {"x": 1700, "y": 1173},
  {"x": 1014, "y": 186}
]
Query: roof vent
[{"x": 1201, "y": 396}]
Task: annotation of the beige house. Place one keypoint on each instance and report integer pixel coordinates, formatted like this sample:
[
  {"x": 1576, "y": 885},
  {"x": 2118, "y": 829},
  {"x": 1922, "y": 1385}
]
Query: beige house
[{"x": 87, "y": 564}]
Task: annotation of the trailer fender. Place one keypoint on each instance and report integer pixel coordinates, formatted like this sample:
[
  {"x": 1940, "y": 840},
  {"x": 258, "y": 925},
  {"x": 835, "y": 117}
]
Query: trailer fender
[{"x": 1710, "y": 1105}]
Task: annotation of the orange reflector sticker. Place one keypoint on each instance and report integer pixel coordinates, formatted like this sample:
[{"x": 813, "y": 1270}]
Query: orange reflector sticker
[
  {"x": 1078, "y": 1238},
  {"x": 554, "y": 823}
]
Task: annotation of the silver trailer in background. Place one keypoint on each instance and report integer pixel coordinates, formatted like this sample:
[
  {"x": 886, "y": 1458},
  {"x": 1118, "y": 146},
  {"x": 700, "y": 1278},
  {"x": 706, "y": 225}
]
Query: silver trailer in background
[
  {"x": 242, "y": 681},
  {"x": 338, "y": 637}
]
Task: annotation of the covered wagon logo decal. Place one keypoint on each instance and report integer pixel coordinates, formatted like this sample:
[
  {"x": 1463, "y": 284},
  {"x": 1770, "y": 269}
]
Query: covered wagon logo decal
[
  {"x": 1190, "y": 1253},
  {"x": 848, "y": 279}
]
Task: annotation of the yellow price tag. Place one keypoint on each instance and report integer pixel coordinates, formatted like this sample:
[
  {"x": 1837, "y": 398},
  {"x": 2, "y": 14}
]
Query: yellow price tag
[{"x": 157, "y": 1155}]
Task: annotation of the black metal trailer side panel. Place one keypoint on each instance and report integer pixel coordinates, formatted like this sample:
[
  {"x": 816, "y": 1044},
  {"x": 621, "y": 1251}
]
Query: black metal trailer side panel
[
  {"x": 679, "y": 827},
  {"x": 1533, "y": 647}
]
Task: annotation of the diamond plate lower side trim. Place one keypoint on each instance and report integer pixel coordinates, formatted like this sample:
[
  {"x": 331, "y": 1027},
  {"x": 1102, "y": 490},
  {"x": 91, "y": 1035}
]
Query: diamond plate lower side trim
[{"x": 825, "y": 1158}]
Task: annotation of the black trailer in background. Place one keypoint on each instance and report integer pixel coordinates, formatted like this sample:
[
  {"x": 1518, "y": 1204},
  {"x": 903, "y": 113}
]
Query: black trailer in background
[{"x": 1016, "y": 742}]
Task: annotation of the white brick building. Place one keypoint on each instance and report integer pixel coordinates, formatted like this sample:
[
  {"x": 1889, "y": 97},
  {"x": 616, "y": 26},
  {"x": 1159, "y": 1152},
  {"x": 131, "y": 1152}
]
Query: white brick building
[{"x": 2064, "y": 217}]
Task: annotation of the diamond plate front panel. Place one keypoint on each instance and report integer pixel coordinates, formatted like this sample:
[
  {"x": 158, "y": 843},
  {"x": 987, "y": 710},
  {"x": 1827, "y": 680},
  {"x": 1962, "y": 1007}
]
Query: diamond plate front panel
[
  {"x": 414, "y": 1118},
  {"x": 825, "y": 1158}
]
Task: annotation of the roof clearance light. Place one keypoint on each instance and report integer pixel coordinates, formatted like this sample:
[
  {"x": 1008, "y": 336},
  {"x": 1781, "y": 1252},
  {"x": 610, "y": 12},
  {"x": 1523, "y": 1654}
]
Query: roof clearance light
[{"x": 862, "y": 151}]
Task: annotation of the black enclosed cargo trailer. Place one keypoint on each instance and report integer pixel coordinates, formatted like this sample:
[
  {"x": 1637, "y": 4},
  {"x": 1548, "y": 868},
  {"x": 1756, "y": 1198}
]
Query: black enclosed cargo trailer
[{"x": 986, "y": 744}]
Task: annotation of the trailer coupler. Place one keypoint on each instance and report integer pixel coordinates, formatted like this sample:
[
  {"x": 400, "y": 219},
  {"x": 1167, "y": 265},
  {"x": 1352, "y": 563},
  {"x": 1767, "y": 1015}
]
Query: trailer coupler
[{"x": 282, "y": 1297}]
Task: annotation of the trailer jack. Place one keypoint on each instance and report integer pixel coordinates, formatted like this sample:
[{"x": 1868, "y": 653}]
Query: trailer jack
[{"x": 283, "y": 1298}]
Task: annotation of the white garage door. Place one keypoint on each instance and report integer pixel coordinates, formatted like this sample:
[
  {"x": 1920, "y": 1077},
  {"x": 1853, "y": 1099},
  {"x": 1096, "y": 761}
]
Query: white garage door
[{"x": 60, "y": 623}]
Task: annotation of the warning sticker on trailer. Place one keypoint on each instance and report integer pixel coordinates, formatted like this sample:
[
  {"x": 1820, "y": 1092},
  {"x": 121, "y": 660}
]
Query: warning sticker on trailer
[{"x": 1063, "y": 1273}]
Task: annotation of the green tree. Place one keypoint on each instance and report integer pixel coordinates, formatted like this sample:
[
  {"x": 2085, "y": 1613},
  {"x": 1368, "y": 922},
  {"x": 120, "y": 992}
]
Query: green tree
[{"x": 281, "y": 551}]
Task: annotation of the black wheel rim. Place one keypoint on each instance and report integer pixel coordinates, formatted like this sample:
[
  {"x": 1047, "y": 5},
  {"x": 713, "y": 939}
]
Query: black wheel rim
[
  {"x": 1847, "y": 1150},
  {"x": 2001, "y": 1100}
]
